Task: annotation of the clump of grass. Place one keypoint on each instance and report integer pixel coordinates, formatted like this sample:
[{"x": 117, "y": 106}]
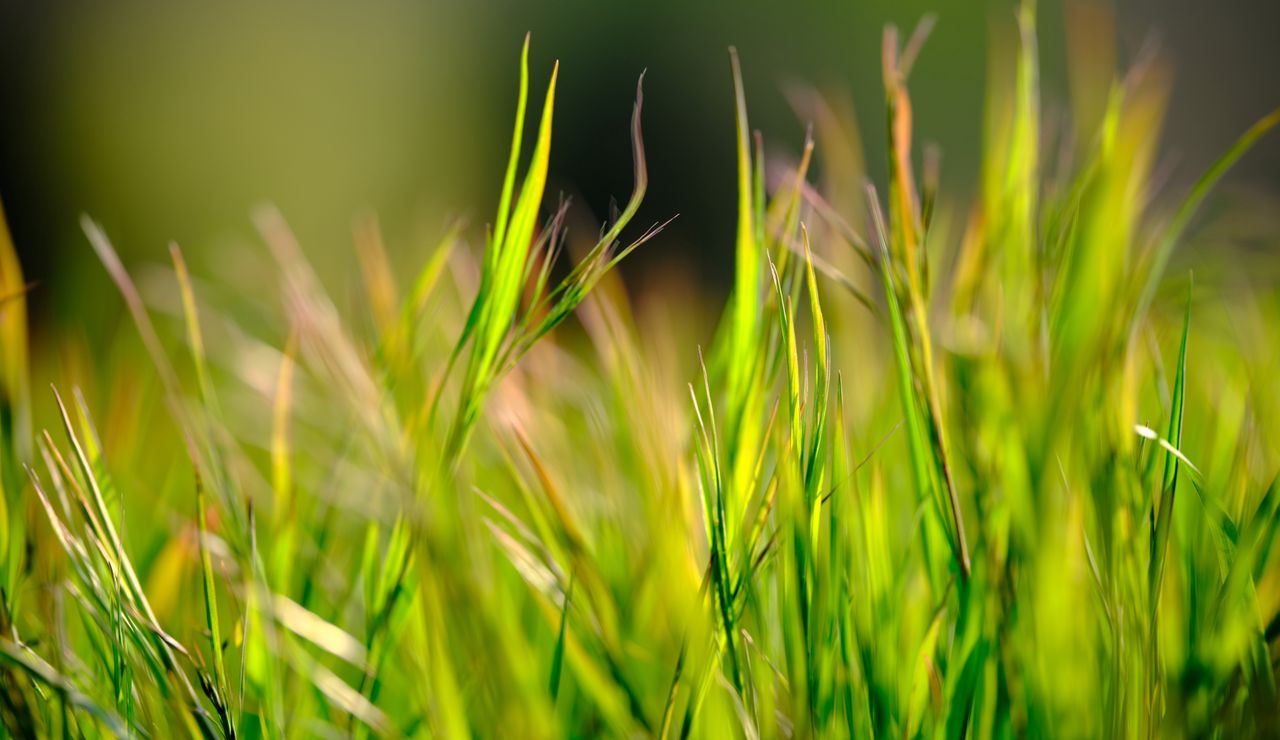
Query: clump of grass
[{"x": 939, "y": 509}]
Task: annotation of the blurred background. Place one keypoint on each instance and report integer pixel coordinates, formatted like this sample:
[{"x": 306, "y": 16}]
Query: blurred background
[{"x": 171, "y": 121}]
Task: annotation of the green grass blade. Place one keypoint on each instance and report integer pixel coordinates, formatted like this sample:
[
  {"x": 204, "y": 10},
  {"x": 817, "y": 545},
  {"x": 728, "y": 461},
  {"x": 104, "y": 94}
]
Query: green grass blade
[
  {"x": 517, "y": 137},
  {"x": 212, "y": 621},
  {"x": 1169, "y": 481},
  {"x": 557, "y": 657},
  {"x": 748, "y": 266},
  {"x": 917, "y": 438},
  {"x": 1173, "y": 232}
]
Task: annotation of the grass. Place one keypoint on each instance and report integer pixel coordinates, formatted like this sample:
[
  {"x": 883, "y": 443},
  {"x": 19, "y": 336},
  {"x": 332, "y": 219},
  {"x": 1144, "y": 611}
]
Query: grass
[{"x": 913, "y": 486}]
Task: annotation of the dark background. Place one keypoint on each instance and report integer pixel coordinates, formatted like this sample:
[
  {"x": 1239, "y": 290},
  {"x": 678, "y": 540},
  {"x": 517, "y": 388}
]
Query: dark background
[{"x": 169, "y": 122}]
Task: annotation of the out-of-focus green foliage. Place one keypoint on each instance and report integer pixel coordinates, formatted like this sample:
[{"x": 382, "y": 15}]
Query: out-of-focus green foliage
[
  {"x": 944, "y": 471},
  {"x": 15, "y": 408}
]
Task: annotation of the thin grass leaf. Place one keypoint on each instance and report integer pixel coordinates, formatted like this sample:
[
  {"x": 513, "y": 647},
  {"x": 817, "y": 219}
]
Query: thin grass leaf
[
  {"x": 1173, "y": 232},
  {"x": 917, "y": 440},
  {"x": 212, "y": 620},
  {"x": 747, "y": 253},
  {"x": 1168, "y": 487},
  {"x": 557, "y": 657}
]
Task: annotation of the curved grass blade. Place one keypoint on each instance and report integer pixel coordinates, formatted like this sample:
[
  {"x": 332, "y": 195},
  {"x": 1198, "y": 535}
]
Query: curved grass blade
[{"x": 1192, "y": 204}]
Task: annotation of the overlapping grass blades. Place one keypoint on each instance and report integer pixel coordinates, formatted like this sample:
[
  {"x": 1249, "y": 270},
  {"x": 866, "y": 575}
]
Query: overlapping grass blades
[{"x": 1028, "y": 489}]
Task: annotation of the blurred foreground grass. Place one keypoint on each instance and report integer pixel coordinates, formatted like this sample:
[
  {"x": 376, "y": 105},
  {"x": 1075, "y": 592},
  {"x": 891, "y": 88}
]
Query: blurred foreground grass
[{"x": 943, "y": 470}]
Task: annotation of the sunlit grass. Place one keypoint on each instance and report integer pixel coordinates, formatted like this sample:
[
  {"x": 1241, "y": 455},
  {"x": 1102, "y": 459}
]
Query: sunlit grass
[{"x": 1023, "y": 483}]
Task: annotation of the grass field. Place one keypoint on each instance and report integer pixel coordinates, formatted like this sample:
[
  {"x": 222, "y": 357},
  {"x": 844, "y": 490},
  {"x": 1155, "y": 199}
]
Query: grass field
[{"x": 935, "y": 469}]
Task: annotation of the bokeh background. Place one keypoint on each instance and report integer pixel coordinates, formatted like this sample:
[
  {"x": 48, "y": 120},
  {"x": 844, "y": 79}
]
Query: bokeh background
[{"x": 171, "y": 121}]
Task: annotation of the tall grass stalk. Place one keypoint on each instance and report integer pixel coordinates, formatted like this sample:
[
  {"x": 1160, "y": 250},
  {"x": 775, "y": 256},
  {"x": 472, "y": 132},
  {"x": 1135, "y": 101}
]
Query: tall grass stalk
[{"x": 944, "y": 469}]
